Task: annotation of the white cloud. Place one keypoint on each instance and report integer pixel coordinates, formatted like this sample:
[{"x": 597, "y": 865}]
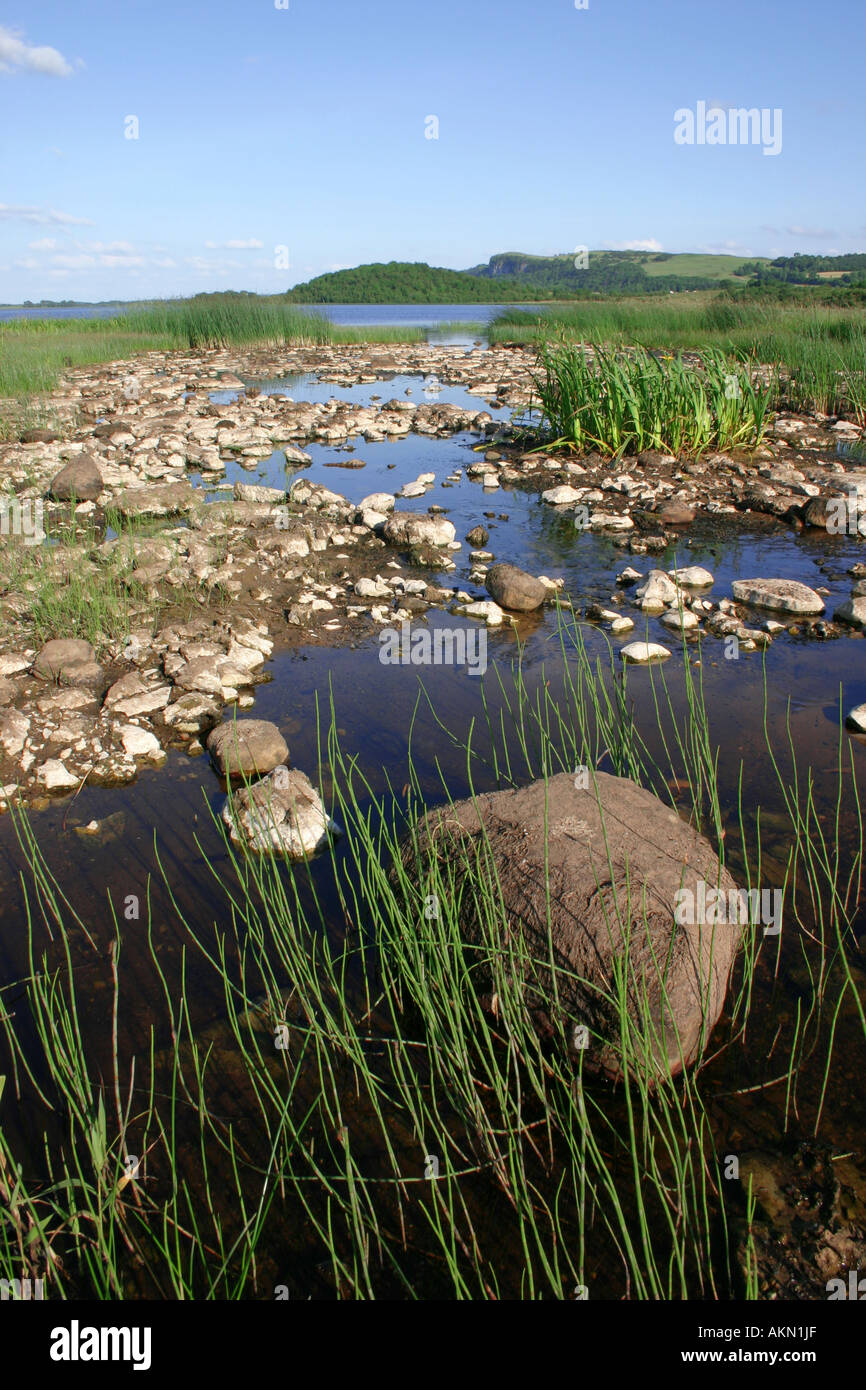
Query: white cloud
[
  {"x": 90, "y": 255},
  {"x": 797, "y": 230},
  {"x": 649, "y": 244},
  {"x": 10, "y": 212},
  {"x": 725, "y": 248},
  {"x": 16, "y": 53},
  {"x": 250, "y": 245}
]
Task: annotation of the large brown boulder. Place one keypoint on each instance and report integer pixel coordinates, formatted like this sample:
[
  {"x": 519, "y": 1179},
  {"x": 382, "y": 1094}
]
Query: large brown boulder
[
  {"x": 70, "y": 661},
  {"x": 676, "y": 513},
  {"x": 38, "y": 436},
  {"x": 79, "y": 481},
  {"x": 515, "y": 589},
  {"x": 247, "y": 747},
  {"x": 589, "y": 881}
]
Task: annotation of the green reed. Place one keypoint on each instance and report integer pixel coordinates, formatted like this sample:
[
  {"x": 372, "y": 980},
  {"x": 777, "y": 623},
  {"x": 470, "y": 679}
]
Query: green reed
[{"x": 617, "y": 402}]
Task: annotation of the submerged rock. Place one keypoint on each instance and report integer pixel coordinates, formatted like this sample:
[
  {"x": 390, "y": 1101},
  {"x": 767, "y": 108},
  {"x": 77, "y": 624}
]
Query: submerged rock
[
  {"x": 283, "y": 812},
  {"x": 807, "y": 1237},
  {"x": 590, "y": 879}
]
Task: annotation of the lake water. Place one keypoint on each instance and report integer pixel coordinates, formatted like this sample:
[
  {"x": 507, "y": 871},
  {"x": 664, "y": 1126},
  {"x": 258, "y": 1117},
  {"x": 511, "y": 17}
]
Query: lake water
[{"x": 429, "y": 316}]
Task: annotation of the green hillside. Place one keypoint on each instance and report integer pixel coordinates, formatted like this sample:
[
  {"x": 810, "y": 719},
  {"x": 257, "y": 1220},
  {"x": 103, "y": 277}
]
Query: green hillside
[
  {"x": 517, "y": 276},
  {"x": 411, "y": 282},
  {"x": 688, "y": 263}
]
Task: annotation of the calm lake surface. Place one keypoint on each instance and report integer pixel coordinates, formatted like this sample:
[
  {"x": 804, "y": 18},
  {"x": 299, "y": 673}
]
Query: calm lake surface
[{"x": 428, "y": 316}]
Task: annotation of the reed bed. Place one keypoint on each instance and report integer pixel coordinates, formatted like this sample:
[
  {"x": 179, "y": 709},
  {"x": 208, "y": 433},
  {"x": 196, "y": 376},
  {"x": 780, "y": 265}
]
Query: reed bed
[
  {"x": 620, "y": 402},
  {"x": 360, "y": 1123},
  {"x": 814, "y": 355},
  {"x": 35, "y": 352}
]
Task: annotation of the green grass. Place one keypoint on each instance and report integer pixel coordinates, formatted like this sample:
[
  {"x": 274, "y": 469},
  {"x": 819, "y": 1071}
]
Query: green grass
[
  {"x": 33, "y": 357},
  {"x": 34, "y": 353},
  {"x": 617, "y": 402},
  {"x": 713, "y": 267},
  {"x": 79, "y": 589},
  {"x": 307, "y": 1164},
  {"x": 817, "y": 354}
]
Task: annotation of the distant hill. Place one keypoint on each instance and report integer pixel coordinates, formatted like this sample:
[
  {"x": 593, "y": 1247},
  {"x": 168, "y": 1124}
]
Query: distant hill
[
  {"x": 616, "y": 272},
  {"x": 810, "y": 270},
  {"x": 514, "y": 276},
  {"x": 411, "y": 282},
  {"x": 517, "y": 276}
]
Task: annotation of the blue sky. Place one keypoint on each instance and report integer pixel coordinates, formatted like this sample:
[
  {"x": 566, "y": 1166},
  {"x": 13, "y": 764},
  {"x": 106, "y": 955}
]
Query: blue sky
[{"x": 305, "y": 128}]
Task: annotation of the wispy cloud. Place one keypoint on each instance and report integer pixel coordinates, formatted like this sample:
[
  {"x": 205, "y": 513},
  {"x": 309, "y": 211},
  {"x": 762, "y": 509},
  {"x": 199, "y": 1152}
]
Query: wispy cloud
[
  {"x": 84, "y": 255},
  {"x": 251, "y": 244},
  {"x": 725, "y": 248},
  {"x": 818, "y": 232},
  {"x": 16, "y": 53},
  {"x": 649, "y": 244},
  {"x": 9, "y": 212}
]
